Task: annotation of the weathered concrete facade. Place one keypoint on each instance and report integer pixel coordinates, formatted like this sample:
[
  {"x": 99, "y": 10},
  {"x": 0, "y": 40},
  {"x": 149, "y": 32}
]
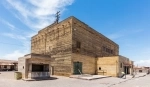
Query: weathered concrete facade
[
  {"x": 68, "y": 39},
  {"x": 73, "y": 47}
]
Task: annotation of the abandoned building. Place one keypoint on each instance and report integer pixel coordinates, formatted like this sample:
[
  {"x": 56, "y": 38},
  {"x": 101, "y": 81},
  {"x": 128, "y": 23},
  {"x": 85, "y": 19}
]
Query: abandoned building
[
  {"x": 8, "y": 65},
  {"x": 72, "y": 47},
  {"x": 141, "y": 69}
]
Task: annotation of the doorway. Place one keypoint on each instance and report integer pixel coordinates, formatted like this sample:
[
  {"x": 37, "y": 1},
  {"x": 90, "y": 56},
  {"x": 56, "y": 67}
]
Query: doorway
[
  {"x": 126, "y": 70},
  {"x": 77, "y": 66}
]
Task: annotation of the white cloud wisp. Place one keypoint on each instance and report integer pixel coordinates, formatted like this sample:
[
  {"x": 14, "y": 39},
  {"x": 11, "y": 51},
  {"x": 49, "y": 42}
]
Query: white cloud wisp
[
  {"x": 37, "y": 14},
  {"x": 143, "y": 63}
]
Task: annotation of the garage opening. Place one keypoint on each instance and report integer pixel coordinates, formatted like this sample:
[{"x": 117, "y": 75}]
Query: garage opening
[{"x": 40, "y": 71}]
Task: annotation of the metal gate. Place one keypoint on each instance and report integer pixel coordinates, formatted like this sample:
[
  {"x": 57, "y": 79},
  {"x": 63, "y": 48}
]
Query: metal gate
[{"x": 77, "y": 66}]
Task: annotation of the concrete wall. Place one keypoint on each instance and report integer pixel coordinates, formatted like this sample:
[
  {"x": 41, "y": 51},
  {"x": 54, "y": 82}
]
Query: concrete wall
[
  {"x": 22, "y": 66},
  {"x": 108, "y": 65},
  {"x": 88, "y": 63}
]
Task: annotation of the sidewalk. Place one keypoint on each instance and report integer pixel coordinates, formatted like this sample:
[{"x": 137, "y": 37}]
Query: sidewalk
[{"x": 88, "y": 77}]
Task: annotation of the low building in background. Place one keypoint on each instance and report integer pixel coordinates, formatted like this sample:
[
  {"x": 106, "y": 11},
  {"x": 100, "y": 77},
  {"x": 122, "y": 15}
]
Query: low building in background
[
  {"x": 141, "y": 69},
  {"x": 8, "y": 65}
]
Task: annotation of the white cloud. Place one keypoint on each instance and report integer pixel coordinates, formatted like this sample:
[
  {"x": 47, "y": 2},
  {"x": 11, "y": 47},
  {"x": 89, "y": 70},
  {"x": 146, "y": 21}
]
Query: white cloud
[
  {"x": 14, "y": 36},
  {"x": 37, "y": 14},
  {"x": 14, "y": 55},
  {"x": 11, "y": 26},
  {"x": 145, "y": 62}
]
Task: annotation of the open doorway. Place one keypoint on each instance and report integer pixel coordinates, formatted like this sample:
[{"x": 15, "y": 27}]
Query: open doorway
[{"x": 127, "y": 69}]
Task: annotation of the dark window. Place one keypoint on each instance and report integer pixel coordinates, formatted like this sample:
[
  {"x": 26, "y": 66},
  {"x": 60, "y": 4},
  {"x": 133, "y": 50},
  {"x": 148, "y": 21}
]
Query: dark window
[
  {"x": 120, "y": 65},
  {"x": 99, "y": 68},
  {"x": 111, "y": 51},
  {"x": 37, "y": 68},
  {"x": 104, "y": 48},
  {"x": 108, "y": 50},
  {"x": 140, "y": 70},
  {"x": 40, "y": 67},
  {"x": 5, "y": 66},
  {"x": 78, "y": 44}
]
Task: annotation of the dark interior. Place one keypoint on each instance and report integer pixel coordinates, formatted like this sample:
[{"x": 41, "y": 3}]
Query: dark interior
[{"x": 40, "y": 67}]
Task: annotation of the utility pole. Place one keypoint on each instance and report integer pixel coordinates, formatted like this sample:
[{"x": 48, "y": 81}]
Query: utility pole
[{"x": 57, "y": 17}]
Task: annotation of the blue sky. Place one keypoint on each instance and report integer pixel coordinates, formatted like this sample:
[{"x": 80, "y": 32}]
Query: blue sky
[{"x": 127, "y": 22}]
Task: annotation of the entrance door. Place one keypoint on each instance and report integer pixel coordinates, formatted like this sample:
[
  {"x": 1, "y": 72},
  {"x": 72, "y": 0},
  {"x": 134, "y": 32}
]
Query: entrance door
[{"x": 77, "y": 66}]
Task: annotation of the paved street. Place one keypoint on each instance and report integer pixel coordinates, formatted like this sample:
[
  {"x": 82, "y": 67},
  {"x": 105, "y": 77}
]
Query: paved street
[
  {"x": 137, "y": 82},
  {"x": 7, "y": 80}
]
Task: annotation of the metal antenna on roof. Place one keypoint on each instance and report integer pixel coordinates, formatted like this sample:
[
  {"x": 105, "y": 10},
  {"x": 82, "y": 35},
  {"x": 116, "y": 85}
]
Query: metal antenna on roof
[{"x": 57, "y": 17}]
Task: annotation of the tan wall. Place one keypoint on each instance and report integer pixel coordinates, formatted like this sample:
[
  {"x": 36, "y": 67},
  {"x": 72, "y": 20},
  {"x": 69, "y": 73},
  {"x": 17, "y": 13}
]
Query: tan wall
[
  {"x": 92, "y": 43},
  {"x": 112, "y": 65},
  {"x": 55, "y": 40},
  {"x": 61, "y": 65},
  {"x": 55, "y": 37},
  {"x": 59, "y": 41},
  {"x": 88, "y": 63},
  {"x": 109, "y": 65}
]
